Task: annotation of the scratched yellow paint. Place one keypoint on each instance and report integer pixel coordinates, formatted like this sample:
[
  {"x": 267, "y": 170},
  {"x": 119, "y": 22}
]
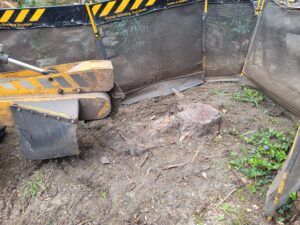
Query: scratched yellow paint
[
  {"x": 6, "y": 16},
  {"x": 95, "y": 9},
  {"x": 37, "y": 15},
  {"x": 122, "y": 6},
  {"x": 150, "y": 3},
  {"x": 108, "y": 8},
  {"x": 22, "y": 15},
  {"x": 136, "y": 4}
]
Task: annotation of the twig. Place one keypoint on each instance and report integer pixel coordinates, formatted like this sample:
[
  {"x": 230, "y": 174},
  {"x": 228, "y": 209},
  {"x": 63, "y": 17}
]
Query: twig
[
  {"x": 144, "y": 161},
  {"x": 214, "y": 156},
  {"x": 84, "y": 221},
  {"x": 123, "y": 135},
  {"x": 230, "y": 193},
  {"x": 195, "y": 156},
  {"x": 174, "y": 166},
  {"x": 148, "y": 171},
  {"x": 128, "y": 178},
  {"x": 151, "y": 148},
  {"x": 248, "y": 132},
  {"x": 225, "y": 120},
  {"x": 157, "y": 176}
]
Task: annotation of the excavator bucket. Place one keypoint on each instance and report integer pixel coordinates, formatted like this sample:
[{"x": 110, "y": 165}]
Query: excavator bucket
[
  {"x": 46, "y": 109},
  {"x": 47, "y": 129}
]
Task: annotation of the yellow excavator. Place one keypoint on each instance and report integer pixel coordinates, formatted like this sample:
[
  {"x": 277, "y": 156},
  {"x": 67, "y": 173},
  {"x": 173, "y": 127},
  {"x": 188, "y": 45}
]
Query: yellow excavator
[{"x": 46, "y": 104}]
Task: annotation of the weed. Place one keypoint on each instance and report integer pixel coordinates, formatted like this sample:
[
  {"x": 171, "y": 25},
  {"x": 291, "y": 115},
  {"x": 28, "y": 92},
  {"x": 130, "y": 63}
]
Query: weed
[
  {"x": 251, "y": 188},
  {"x": 238, "y": 215},
  {"x": 284, "y": 211},
  {"x": 103, "y": 194},
  {"x": 242, "y": 218},
  {"x": 273, "y": 120},
  {"x": 197, "y": 219},
  {"x": 262, "y": 156},
  {"x": 33, "y": 186},
  {"x": 221, "y": 218},
  {"x": 227, "y": 208},
  {"x": 248, "y": 95},
  {"x": 234, "y": 131}
]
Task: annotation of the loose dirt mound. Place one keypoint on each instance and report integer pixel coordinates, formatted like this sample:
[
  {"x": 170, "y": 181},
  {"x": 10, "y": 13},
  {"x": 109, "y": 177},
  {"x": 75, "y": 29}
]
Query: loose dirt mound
[{"x": 141, "y": 167}]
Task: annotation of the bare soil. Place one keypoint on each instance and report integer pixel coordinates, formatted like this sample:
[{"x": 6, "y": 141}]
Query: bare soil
[{"x": 177, "y": 180}]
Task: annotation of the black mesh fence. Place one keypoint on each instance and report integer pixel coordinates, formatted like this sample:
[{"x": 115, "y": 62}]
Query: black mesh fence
[
  {"x": 228, "y": 33},
  {"x": 158, "y": 46},
  {"x": 273, "y": 61},
  {"x": 154, "y": 47},
  {"x": 49, "y": 46}
]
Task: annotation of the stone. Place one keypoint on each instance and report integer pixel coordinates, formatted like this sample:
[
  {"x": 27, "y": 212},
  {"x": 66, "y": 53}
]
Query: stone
[
  {"x": 2, "y": 204},
  {"x": 197, "y": 118},
  {"x": 105, "y": 160}
]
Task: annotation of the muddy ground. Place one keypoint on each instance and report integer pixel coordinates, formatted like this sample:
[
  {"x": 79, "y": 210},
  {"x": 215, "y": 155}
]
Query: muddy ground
[{"x": 125, "y": 176}]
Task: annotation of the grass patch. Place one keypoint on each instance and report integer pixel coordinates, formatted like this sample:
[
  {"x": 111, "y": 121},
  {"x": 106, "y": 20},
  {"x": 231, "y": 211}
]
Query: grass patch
[
  {"x": 197, "y": 219},
  {"x": 103, "y": 194},
  {"x": 285, "y": 212},
  {"x": 239, "y": 216},
  {"x": 248, "y": 95},
  {"x": 262, "y": 156},
  {"x": 33, "y": 186}
]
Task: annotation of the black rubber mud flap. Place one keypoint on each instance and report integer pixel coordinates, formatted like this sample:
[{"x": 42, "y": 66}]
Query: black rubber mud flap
[
  {"x": 47, "y": 129},
  {"x": 2, "y": 133}
]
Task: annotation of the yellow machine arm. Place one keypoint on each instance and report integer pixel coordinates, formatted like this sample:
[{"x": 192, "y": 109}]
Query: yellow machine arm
[{"x": 46, "y": 109}]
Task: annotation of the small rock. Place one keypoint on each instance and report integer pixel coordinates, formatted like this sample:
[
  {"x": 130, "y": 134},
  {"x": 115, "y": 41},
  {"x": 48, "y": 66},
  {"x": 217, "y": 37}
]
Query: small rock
[
  {"x": 2, "y": 204},
  {"x": 105, "y": 160}
]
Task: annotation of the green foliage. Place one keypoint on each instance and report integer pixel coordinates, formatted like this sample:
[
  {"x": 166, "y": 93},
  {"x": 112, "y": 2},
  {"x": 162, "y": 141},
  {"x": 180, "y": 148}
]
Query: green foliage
[
  {"x": 248, "y": 95},
  {"x": 103, "y": 194},
  {"x": 284, "y": 211},
  {"x": 197, "y": 219},
  {"x": 263, "y": 155},
  {"x": 227, "y": 208},
  {"x": 33, "y": 186},
  {"x": 221, "y": 218}
]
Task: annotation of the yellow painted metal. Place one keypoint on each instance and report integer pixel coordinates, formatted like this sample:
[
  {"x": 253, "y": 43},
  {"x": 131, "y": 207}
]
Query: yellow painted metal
[
  {"x": 96, "y": 8},
  {"x": 22, "y": 15},
  {"x": 71, "y": 79},
  {"x": 136, "y": 4},
  {"x": 6, "y": 16},
  {"x": 284, "y": 178},
  {"x": 92, "y": 20},
  {"x": 122, "y": 6},
  {"x": 37, "y": 15},
  {"x": 108, "y": 8},
  {"x": 206, "y": 6},
  {"x": 150, "y": 3},
  {"x": 257, "y": 7},
  {"x": 104, "y": 109},
  {"x": 5, "y": 103}
]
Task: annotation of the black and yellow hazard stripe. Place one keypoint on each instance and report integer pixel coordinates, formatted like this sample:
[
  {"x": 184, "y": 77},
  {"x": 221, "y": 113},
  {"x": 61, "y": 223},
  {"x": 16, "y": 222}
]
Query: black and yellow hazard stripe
[
  {"x": 58, "y": 16},
  {"x": 21, "y": 15},
  {"x": 73, "y": 15},
  {"x": 116, "y": 7}
]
